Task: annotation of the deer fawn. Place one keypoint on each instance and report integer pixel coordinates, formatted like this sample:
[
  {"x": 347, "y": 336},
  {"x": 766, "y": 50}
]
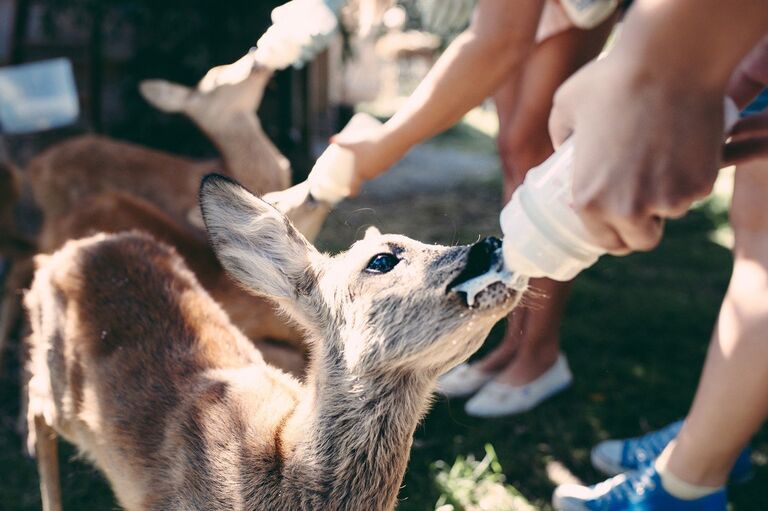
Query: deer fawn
[
  {"x": 131, "y": 360},
  {"x": 89, "y": 165},
  {"x": 95, "y": 184}
]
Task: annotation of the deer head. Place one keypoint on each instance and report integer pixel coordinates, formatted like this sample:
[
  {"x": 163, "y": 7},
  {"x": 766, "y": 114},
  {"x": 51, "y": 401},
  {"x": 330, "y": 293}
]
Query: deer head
[
  {"x": 224, "y": 105},
  {"x": 237, "y": 87},
  {"x": 386, "y": 304}
]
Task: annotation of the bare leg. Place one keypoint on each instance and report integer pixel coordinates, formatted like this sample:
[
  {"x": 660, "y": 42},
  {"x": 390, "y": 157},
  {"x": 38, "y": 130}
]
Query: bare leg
[
  {"x": 47, "y": 465},
  {"x": 531, "y": 343},
  {"x": 731, "y": 402}
]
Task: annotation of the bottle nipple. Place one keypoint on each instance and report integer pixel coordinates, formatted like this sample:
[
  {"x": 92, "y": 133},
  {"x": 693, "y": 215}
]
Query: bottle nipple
[{"x": 497, "y": 273}]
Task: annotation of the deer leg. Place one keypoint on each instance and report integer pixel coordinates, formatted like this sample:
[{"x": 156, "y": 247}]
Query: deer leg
[{"x": 47, "y": 465}]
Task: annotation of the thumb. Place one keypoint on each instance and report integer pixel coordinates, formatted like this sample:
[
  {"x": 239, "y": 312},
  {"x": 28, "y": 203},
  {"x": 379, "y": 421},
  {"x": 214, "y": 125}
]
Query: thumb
[
  {"x": 560, "y": 123},
  {"x": 340, "y": 138}
]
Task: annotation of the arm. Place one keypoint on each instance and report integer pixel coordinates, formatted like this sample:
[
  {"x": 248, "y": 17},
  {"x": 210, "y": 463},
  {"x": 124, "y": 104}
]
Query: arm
[
  {"x": 470, "y": 69},
  {"x": 647, "y": 120}
]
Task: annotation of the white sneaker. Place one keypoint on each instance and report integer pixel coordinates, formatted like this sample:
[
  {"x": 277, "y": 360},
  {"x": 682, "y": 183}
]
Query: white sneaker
[
  {"x": 462, "y": 381},
  {"x": 497, "y": 399}
]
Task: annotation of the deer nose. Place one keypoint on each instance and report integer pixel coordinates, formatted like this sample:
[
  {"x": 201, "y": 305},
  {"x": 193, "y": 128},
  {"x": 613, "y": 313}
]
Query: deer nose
[{"x": 483, "y": 256}]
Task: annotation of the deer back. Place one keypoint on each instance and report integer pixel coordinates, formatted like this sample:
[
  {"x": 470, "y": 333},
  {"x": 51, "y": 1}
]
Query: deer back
[{"x": 132, "y": 361}]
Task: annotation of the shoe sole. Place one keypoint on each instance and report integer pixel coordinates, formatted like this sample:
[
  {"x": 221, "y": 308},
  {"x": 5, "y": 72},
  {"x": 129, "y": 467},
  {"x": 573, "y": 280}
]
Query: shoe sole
[
  {"x": 463, "y": 394},
  {"x": 518, "y": 411},
  {"x": 606, "y": 466},
  {"x": 610, "y": 469},
  {"x": 562, "y": 505}
]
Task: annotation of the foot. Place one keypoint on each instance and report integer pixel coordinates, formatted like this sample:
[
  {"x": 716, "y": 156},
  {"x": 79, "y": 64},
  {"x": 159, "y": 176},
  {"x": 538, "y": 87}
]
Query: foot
[
  {"x": 614, "y": 457},
  {"x": 497, "y": 399},
  {"x": 634, "y": 491},
  {"x": 462, "y": 381}
]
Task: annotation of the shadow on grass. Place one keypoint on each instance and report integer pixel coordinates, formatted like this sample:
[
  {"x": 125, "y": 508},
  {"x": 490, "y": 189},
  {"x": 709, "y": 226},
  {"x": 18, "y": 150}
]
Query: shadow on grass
[{"x": 635, "y": 333}]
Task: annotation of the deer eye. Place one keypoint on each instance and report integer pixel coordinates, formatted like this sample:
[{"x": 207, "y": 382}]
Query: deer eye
[{"x": 382, "y": 263}]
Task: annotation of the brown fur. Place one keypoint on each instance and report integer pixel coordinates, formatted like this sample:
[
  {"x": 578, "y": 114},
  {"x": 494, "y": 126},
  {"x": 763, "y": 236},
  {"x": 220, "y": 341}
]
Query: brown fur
[
  {"x": 68, "y": 173},
  {"x": 131, "y": 360},
  {"x": 116, "y": 212},
  {"x": 100, "y": 288},
  {"x": 72, "y": 171},
  {"x": 95, "y": 184}
]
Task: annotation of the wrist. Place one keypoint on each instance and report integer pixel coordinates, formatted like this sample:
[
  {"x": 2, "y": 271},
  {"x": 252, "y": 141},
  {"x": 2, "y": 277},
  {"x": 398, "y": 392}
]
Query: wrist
[
  {"x": 391, "y": 144},
  {"x": 642, "y": 70}
]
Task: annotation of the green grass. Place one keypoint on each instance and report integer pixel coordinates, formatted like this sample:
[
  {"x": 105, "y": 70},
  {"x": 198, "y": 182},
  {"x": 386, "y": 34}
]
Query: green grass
[
  {"x": 476, "y": 485},
  {"x": 635, "y": 333}
]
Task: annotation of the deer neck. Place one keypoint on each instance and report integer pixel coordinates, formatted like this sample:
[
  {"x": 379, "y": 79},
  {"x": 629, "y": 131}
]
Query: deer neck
[
  {"x": 249, "y": 156},
  {"x": 358, "y": 436}
]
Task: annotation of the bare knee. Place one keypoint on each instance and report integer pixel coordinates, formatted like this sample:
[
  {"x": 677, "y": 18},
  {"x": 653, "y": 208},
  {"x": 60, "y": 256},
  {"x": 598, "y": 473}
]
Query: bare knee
[{"x": 521, "y": 148}]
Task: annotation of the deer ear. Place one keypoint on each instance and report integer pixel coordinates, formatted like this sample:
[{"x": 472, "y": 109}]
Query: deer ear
[
  {"x": 255, "y": 243},
  {"x": 372, "y": 232},
  {"x": 164, "y": 95}
]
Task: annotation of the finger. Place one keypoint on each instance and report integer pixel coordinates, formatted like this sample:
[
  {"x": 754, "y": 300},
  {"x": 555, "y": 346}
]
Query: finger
[
  {"x": 745, "y": 150},
  {"x": 679, "y": 207},
  {"x": 602, "y": 232},
  {"x": 749, "y": 127},
  {"x": 677, "y": 211},
  {"x": 640, "y": 234}
]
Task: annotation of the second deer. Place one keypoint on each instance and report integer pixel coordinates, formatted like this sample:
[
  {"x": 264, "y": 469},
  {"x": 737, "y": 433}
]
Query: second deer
[{"x": 95, "y": 184}]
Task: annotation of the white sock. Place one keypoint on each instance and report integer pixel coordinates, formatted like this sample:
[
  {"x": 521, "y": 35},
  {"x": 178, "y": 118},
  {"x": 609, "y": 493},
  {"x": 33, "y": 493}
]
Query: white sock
[{"x": 679, "y": 488}]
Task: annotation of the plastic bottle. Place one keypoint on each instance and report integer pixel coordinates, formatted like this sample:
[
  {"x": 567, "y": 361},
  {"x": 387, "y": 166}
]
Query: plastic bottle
[
  {"x": 543, "y": 234},
  {"x": 300, "y": 29},
  {"x": 332, "y": 177}
]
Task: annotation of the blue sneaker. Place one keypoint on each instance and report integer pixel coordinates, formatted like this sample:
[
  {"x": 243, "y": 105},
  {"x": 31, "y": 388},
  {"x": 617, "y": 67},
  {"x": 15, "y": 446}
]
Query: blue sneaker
[
  {"x": 634, "y": 491},
  {"x": 614, "y": 457}
]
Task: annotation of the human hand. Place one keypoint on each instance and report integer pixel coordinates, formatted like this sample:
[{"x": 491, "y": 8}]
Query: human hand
[
  {"x": 373, "y": 153},
  {"x": 644, "y": 149},
  {"x": 749, "y": 137}
]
